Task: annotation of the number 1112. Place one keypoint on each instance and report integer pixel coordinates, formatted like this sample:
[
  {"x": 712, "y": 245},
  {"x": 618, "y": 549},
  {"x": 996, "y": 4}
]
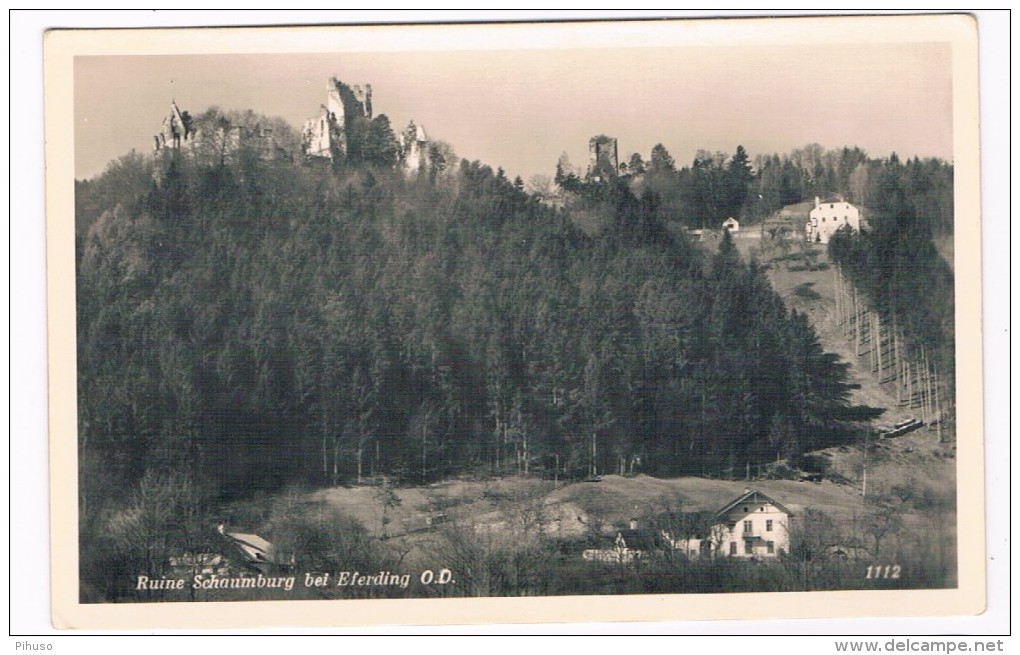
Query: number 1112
[{"x": 889, "y": 571}]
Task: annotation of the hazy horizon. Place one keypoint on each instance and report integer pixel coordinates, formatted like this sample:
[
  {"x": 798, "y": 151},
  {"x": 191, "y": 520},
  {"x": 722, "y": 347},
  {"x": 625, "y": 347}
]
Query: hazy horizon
[{"x": 520, "y": 109}]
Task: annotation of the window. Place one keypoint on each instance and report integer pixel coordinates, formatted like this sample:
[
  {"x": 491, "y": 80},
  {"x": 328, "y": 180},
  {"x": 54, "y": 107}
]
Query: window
[
  {"x": 768, "y": 525},
  {"x": 770, "y": 547},
  {"x": 748, "y": 548},
  {"x": 748, "y": 528},
  {"x": 733, "y": 548}
]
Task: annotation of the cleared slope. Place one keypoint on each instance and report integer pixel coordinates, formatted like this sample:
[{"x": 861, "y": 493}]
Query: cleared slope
[{"x": 813, "y": 293}]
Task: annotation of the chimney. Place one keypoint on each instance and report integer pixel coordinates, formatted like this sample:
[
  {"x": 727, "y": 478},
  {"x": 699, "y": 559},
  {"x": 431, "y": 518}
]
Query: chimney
[
  {"x": 633, "y": 524},
  {"x": 818, "y": 202}
]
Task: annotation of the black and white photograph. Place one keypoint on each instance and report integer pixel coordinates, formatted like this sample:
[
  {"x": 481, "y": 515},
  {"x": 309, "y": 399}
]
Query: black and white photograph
[{"x": 595, "y": 312}]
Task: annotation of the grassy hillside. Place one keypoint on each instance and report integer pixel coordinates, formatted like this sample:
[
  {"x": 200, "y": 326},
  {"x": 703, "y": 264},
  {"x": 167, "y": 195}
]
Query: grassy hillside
[{"x": 569, "y": 509}]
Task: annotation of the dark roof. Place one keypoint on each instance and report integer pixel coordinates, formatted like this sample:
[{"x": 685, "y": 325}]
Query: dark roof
[
  {"x": 753, "y": 496},
  {"x": 638, "y": 539},
  {"x": 252, "y": 540},
  {"x": 797, "y": 208}
]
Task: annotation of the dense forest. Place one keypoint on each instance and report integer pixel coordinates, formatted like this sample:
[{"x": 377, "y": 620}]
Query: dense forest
[{"x": 254, "y": 322}]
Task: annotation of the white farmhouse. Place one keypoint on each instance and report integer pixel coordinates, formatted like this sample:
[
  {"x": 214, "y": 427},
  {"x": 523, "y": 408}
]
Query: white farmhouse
[
  {"x": 751, "y": 526},
  {"x": 756, "y": 526},
  {"x": 829, "y": 216}
]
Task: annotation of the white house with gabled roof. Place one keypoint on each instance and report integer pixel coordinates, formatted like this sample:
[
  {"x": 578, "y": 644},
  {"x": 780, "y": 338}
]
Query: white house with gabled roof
[
  {"x": 755, "y": 526},
  {"x": 750, "y": 526},
  {"x": 829, "y": 216}
]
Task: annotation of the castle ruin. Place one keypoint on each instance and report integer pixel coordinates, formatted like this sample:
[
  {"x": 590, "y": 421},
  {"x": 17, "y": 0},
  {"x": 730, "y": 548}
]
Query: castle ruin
[
  {"x": 602, "y": 158},
  {"x": 325, "y": 135},
  {"x": 341, "y": 123},
  {"x": 211, "y": 140}
]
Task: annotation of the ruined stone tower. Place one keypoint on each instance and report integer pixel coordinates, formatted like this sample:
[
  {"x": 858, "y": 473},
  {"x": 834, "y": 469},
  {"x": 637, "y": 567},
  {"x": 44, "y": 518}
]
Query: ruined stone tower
[{"x": 603, "y": 162}]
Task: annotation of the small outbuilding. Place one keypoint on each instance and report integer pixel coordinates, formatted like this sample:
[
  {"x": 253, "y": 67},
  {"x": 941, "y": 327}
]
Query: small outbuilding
[
  {"x": 630, "y": 544},
  {"x": 731, "y": 225}
]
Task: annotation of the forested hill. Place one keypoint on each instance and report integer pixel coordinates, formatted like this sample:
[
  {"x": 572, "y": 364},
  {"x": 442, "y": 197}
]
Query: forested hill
[{"x": 254, "y": 323}]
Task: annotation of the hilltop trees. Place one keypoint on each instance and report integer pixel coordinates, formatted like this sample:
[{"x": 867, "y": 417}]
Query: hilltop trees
[
  {"x": 739, "y": 178},
  {"x": 380, "y": 146},
  {"x": 879, "y": 185},
  {"x": 715, "y": 186},
  {"x": 636, "y": 165},
  {"x": 661, "y": 161}
]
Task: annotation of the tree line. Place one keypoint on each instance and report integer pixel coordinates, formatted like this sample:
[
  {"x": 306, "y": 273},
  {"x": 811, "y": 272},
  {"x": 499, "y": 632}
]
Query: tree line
[{"x": 716, "y": 186}]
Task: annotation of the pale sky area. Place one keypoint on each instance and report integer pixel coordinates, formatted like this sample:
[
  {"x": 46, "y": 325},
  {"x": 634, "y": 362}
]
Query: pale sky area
[{"x": 521, "y": 109}]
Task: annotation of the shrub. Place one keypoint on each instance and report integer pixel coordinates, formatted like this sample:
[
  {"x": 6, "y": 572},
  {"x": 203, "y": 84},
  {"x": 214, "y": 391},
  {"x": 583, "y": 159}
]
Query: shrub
[
  {"x": 812, "y": 463},
  {"x": 805, "y": 291},
  {"x": 781, "y": 471}
]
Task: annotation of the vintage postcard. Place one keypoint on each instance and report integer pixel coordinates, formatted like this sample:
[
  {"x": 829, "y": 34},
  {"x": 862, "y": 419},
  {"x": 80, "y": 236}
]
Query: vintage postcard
[{"x": 469, "y": 323}]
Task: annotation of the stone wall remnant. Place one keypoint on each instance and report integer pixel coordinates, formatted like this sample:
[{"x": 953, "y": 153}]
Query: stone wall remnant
[
  {"x": 176, "y": 130},
  {"x": 414, "y": 148},
  {"x": 211, "y": 138}
]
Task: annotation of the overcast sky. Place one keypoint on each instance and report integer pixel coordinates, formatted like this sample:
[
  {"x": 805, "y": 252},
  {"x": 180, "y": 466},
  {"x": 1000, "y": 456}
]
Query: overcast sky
[{"x": 520, "y": 109}]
